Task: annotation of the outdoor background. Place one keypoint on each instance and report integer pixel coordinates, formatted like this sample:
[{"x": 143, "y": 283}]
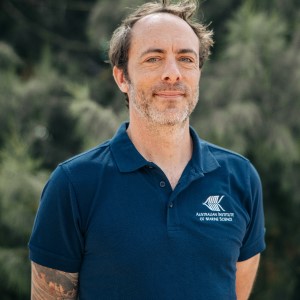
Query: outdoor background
[{"x": 58, "y": 98}]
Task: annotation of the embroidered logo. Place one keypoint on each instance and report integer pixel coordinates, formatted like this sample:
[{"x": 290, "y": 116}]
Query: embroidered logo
[
  {"x": 213, "y": 203},
  {"x": 217, "y": 213}
]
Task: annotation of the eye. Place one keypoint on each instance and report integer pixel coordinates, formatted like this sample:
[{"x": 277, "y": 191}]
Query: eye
[
  {"x": 186, "y": 59},
  {"x": 152, "y": 59}
]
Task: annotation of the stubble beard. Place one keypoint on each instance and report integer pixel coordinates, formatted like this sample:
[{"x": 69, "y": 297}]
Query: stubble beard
[{"x": 171, "y": 115}]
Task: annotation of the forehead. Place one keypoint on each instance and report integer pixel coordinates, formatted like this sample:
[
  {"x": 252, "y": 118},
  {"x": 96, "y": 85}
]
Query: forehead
[{"x": 163, "y": 30}]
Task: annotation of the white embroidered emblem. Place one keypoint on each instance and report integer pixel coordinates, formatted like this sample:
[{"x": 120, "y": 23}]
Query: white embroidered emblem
[{"x": 213, "y": 203}]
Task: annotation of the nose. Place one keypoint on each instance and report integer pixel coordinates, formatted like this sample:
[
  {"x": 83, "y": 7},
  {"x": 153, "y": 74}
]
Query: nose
[{"x": 171, "y": 72}]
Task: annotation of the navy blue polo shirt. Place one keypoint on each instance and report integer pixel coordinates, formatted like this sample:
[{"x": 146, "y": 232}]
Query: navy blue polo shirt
[{"x": 113, "y": 217}]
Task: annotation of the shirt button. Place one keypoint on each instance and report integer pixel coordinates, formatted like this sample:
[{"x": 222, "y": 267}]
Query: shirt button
[
  {"x": 162, "y": 184},
  {"x": 171, "y": 204}
]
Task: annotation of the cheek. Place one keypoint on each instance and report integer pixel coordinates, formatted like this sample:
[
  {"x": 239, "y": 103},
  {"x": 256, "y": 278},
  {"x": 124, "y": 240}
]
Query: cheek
[{"x": 144, "y": 86}]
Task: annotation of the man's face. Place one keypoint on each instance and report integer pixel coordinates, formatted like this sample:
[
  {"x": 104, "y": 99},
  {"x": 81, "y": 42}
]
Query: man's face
[{"x": 163, "y": 68}]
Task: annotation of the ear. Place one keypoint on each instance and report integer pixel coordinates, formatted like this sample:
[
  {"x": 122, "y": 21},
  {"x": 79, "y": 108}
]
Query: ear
[{"x": 120, "y": 79}]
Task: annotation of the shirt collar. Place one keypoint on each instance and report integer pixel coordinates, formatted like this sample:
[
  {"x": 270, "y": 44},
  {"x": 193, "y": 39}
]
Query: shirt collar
[
  {"x": 203, "y": 161},
  {"x": 128, "y": 159}
]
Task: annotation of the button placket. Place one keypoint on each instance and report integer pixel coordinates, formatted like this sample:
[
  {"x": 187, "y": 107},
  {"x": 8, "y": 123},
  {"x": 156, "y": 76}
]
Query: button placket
[{"x": 172, "y": 215}]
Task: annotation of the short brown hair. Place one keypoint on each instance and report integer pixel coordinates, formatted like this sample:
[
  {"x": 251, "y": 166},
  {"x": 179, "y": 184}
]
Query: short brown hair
[{"x": 185, "y": 9}]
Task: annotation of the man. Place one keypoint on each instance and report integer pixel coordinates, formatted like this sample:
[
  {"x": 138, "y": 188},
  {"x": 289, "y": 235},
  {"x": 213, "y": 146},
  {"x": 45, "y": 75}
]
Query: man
[{"x": 156, "y": 212}]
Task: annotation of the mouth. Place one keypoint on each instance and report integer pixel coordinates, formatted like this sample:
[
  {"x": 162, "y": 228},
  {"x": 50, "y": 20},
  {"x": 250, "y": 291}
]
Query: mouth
[{"x": 169, "y": 94}]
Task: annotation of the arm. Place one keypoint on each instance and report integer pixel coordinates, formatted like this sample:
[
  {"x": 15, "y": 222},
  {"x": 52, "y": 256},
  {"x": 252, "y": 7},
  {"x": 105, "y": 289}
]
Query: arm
[
  {"x": 245, "y": 276},
  {"x": 47, "y": 283}
]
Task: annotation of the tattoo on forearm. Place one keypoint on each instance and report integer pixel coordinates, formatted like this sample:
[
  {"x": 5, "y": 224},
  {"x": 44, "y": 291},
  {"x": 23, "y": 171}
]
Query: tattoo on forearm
[{"x": 49, "y": 284}]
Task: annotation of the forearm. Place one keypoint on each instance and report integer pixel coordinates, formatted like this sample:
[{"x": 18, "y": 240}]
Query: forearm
[
  {"x": 47, "y": 283},
  {"x": 245, "y": 277}
]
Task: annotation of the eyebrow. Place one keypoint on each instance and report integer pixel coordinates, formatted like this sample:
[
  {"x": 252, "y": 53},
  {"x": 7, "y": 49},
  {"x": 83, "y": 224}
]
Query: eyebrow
[
  {"x": 183, "y": 51},
  {"x": 159, "y": 50},
  {"x": 152, "y": 50}
]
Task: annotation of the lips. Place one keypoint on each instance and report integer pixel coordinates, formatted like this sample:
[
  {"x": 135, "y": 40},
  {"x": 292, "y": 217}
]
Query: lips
[
  {"x": 169, "y": 94},
  {"x": 170, "y": 90}
]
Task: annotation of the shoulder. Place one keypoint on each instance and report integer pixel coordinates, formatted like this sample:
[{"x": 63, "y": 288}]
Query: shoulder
[
  {"x": 93, "y": 155},
  {"x": 235, "y": 164},
  {"x": 225, "y": 154},
  {"x": 85, "y": 167},
  {"x": 230, "y": 159},
  {"x": 89, "y": 160},
  {"x": 209, "y": 154},
  {"x": 75, "y": 181}
]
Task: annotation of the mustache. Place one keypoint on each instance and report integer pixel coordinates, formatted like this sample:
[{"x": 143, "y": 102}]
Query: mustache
[{"x": 177, "y": 86}]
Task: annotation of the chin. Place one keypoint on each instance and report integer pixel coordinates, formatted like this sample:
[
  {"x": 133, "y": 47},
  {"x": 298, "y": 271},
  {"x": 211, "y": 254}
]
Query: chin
[{"x": 172, "y": 121}]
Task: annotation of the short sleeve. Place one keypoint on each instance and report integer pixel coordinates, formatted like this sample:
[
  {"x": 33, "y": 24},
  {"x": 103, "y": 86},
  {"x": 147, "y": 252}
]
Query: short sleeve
[
  {"x": 254, "y": 239},
  {"x": 56, "y": 240}
]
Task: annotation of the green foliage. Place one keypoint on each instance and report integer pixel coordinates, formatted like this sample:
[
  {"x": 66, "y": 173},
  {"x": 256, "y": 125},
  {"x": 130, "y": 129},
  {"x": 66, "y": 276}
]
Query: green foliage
[
  {"x": 8, "y": 57},
  {"x": 102, "y": 24},
  {"x": 247, "y": 87},
  {"x": 95, "y": 122},
  {"x": 20, "y": 186},
  {"x": 15, "y": 270}
]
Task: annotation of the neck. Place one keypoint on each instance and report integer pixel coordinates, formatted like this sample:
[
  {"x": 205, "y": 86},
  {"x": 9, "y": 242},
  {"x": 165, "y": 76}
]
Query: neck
[{"x": 169, "y": 147}]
